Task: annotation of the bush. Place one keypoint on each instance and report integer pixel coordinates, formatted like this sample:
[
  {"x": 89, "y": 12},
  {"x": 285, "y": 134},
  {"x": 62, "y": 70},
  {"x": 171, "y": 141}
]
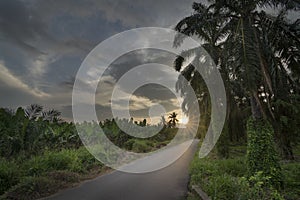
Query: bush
[
  {"x": 35, "y": 166},
  {"x": 63, "y": 160},
  {"x": 203, "y": 168},
  {"x": 256, "y": 188},
  {"x": 9, "y": 175},
  {"x": 223, "y": 179},
  {"x": 291, "y": 180},
  {"x": 141, "y": 146},
  {"x": 219, "y": 178},
  {"x": 87, "y": 160},
  {"x": 76, "y": 160},
  {"x": 32, "y": 188},
  {"x": 234, "y": 167},
  {"x": 222, "y": 187},
  {"x": 63, "y": 177},
  {"x": 128, "y": 144},
  {"x": 52, "y": 160}
]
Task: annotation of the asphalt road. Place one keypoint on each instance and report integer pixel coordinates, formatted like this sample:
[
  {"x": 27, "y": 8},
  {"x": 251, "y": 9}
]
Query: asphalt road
[{"x": 169, "y": 183}]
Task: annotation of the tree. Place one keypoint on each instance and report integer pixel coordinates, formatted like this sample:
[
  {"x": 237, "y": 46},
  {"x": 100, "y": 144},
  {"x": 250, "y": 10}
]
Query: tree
[
  {"x": 173, "y": 120},
  {"x": 51, "y": 115},
  {"x": 249, "y": 46},
  {"x": 33, "y": 111},
  {"x": 32, "y": 129},
  {"x": 163, "y": 121}
]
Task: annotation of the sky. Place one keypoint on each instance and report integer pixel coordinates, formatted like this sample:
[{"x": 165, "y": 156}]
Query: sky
[{"x": 43, "y": 43}]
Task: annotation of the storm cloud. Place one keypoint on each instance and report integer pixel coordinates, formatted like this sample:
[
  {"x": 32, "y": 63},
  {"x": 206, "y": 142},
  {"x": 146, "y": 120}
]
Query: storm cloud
[{"x": 43, "y": 44}]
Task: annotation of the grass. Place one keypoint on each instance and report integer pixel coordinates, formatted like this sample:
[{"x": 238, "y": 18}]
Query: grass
[
  {"x": 47, "y": 173},
  {"x": 42, "y": 175},
  {"x": 225, "y": 178}
]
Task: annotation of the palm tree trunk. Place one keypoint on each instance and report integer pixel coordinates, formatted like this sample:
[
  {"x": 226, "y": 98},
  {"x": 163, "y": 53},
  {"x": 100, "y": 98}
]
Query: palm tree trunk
[{"x": 255, "y": 108}]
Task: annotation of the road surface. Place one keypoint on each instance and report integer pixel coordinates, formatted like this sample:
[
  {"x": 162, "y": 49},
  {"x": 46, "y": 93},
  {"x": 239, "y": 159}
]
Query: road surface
[{"x": 169, "y": 183}]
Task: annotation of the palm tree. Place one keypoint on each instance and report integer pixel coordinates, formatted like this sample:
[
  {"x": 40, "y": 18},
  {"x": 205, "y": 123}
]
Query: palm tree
[
  {"x": 33, "y": 111},
  {"x": 51, "y": 115},
  {"x": 173, "y": 120},
  {"x": 244, "y": 37},
  {"x": 264, "y": 52},
  {"x": 249, "y": 46},
  {"x": 200, "y": 24},
  {"x": 252, "y": 50}
]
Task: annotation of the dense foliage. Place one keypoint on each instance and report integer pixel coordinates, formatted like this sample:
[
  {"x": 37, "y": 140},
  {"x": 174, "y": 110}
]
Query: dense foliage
[
  {"x": 257, "y": 54},
  {"x": 261, "y": 154},
  {"x": 40, "y": 153},
  {"x": 228, "y": 179}
]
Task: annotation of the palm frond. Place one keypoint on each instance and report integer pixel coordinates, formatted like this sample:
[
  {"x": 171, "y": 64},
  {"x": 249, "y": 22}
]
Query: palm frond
[{"x": 33, "y": 111}]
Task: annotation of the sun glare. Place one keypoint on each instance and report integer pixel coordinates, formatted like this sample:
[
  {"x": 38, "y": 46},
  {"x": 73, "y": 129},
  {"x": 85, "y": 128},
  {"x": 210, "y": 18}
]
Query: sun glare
[{"x": 184, "y": 120}]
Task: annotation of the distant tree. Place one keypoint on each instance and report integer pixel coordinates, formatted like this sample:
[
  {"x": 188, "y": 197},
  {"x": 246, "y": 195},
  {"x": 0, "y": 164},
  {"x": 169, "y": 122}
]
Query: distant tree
[
  {"x": 51, "y": 115},
  {"x": 163, "y": 121},
  {"x": 144, "y": 123},
  {"x": 172, "y": 120},
  {"x": 33, "y": 111}
]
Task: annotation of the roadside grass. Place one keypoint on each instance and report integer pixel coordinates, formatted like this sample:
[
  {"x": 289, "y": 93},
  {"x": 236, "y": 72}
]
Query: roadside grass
[
  {"x": 225, "y": 178},
  {"x": 47, "y": 173}
]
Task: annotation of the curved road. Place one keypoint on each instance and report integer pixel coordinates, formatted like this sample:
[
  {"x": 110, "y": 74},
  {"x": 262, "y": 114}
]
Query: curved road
[{"x": 169, "y": 183}]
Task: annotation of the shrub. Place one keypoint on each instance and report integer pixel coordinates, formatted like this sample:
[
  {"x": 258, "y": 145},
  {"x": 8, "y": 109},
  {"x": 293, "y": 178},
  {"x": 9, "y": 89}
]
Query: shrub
[
  {"x": 235, "y": 167},
  {"x": 219, "y": 178},
  {"x": 141, "y": 146},
  {"x": 222, "y": 187},
  {"x": 291, "y": 180},
  {"x": 35, "y": 166},
  {"x": 9, "y": 175},
  {"x": 63, "y": 160},
  {"x": 63, "y": 177},
  {"x": 87, "y": 160},
  {"x": 52, "y": 160},
  {"x": 223, "y": 179},
  {"x": 128, "y": 144},
  {"x": 32, "y": 188},
  {"x": 201, "y": 169},
  {"x": 255, "y": 188}
]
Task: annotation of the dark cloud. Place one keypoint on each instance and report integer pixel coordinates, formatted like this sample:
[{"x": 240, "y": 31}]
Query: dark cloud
[
  {"x": 43, "y": 43},
  {"x": 139, "y": 57},
  {"x": 154, "y": 92}
]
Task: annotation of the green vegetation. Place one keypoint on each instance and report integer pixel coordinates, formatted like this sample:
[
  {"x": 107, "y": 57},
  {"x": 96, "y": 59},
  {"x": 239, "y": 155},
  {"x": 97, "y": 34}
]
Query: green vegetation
[
  {"x": 257, "y": 155},
  {"x": 261, "y": 155},
  {"x": 257, "y": 55},
  {"x": 227, "y": 178},
  {"x": 41, "y": 154}
]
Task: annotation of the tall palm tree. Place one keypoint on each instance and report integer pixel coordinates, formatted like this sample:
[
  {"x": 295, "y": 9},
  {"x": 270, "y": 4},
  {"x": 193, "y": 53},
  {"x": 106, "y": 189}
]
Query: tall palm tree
[
  {"x": 251, "y": 48},
  {"x": 253, "y": 51},
  {"x": 203, "y": 24},
  {"x": 264, "y": 53},
  {"x": 244, "y": 36}
]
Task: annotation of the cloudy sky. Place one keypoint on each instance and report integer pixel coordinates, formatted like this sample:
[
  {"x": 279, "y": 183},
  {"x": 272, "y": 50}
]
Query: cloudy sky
[{"x": 43, "y": 43}]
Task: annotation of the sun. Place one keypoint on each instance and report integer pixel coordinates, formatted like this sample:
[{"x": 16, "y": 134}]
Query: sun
[{"x": 184, "y": 120}]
